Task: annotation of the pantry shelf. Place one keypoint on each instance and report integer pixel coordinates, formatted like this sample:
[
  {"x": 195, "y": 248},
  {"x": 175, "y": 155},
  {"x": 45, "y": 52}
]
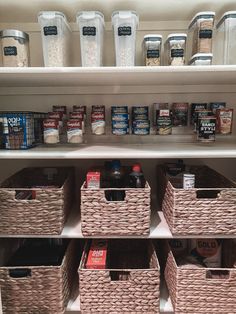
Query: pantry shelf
[
  {"x": 223, "y": 148},
  {"x": 118, "y": 76}
]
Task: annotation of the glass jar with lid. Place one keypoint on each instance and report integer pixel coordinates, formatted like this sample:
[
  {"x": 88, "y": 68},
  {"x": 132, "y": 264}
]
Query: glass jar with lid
[
  {"x": 14, "y": 48},
  {"x": 175, "y": 49},
  {"x": 152, "y": 49}
]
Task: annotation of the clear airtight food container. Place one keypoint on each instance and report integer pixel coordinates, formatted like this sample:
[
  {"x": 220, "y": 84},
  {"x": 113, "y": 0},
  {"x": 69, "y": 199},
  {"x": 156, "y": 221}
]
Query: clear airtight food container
[
  {"x": 175, "y": 48},
  {"x": 91, "y": 25},
  {"x": 226, "y": 37},
  {"x": 200, "y": 32},
  {"x": 125, "y": 24},
  {"x": 56, "y": 35},
  {"x": 152, "y": 49},
  {"x": 201, "y": 59},
  {"x": 14, "y": 48}
]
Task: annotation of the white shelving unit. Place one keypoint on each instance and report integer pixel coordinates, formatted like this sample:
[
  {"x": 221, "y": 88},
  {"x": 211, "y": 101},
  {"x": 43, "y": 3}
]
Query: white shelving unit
[{"x": 38, "y": 88}]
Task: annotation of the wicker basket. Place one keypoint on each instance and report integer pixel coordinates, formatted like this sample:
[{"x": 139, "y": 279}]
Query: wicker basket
[
  {"x": 102, "y": 292},
  {"x": 46, "y": 214},
  {"x": 42, "y": 289},
  {"x": 192, "y": 290},
  {"x": 101, "y": 217},
  {"x": 208, "y": 209}
]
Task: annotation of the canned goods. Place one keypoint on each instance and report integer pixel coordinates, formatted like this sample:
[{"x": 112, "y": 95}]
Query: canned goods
[
  {"x": 120, "y": 131},
  {"x": 188, "y": 181},
  {"x": 196, "y": 107},
  {"x": 206, "y": 129},
  {"x": 140, "y": 110},
  {"x": 217, "y": 105},
  {"x": 141, "y": 131},
  {"x": 199, "y": 114},
  {"x": 120, "y": 117},
  {"x": 141, "y": 124},
  {"x": 119, "y": 109},
  {"x": 164, "y": 123},
  {"x": 180, "y": 114}
]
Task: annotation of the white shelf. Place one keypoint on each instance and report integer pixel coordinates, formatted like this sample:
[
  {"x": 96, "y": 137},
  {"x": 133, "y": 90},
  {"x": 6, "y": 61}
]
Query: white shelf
[
  {"x": 165, "y": 303},
  {"x": 118, "y": 76},
  {"x": 222, "y": 148}
]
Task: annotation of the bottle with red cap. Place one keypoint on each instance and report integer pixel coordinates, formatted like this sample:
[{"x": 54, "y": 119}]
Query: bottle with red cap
[{"x": 136, "y": 177}]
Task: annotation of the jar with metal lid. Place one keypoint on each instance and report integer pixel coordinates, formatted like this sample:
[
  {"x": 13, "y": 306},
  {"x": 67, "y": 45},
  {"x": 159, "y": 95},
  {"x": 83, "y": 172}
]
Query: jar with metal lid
[
  {"x": 152, "y": 49},
  {"x": 14, "y": 48}
]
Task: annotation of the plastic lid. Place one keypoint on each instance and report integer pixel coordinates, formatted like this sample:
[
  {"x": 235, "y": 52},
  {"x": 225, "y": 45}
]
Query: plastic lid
[
  {"x": 226, "y": 15},
  {"x": 152, "y": 37},
  {"x": 51, "y": 14},
  {"x": 176, "y": 36},
  {"x": 136, "y": 168},
  {"x": 90, "y": 15},
  {"x": 202, "y": 15},
  {"x": 201, "y": 56},
  {"x": 125, "y": 15},
  {"x": 14, "y": 33}
]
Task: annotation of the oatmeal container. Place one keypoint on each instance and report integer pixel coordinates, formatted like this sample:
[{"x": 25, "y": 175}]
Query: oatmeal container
[
  {"x": 200, "y": 32},
  {"x": 125, "y": 24},
  {"x": 91, "y": 26},
  {"x": 56, "y": 33},
  {"x": 152, "y": 49},
  {"x": 201, "y": 59},
  {"x": 226, "y": 34},
  {"x": 175, "y": 47},
  {"x": 15, "y": 48}
]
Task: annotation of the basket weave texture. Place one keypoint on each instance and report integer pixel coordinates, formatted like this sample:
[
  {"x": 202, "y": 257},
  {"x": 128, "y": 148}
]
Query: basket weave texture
[
  {"x": 44, "y": 215},
  {"x": 137, "y": 294},
  {"x": 194, "y": 211},
  {"x": 192, "y": 292},
  {"x": 45, "y": 291},
  {"x": 128, "y": 217}
]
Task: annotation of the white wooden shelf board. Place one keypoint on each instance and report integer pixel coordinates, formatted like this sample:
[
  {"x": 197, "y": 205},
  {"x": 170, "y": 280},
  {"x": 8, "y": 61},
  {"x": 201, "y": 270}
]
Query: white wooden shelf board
[{"x": 118, "y": 76}]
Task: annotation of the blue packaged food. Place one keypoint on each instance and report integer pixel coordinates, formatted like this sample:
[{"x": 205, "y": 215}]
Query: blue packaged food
[
  {"x": 120, "y": 131},
  {"x": 140, "y": 116},
  {"x": 119, "y": 109},
  {"x": 120, "y": 124},
  {"x": 120, "y": 117},
  {"x": 143, "y": 124},
  {"x": 217, "y": 105},
  {"x": 141, "y": 131},
  {"x": 140, "y": 110}
]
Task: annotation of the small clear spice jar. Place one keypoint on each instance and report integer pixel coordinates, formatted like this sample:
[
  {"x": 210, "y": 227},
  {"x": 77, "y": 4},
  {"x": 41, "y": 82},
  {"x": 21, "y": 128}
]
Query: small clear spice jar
[
  {"x": 15, "y": 48},
  {"x": 175, "y": 47},
  {"x": 152, "y": 49},
  {"x": 201, "y": 59},
  {"x": 201, "y": 31}
]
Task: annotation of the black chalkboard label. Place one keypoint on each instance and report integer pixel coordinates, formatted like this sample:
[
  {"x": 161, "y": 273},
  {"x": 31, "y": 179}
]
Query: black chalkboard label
[
  {"x": 205, "y": 33},
  {"x": 50, "y": 30},
  {"x": 89, "y": 31},
  {"x": 124, "y": 31},
  {"x": 177, "y": 53},
  {"x": 10, "y": 51},
  {"x": 153, "y": 53}
]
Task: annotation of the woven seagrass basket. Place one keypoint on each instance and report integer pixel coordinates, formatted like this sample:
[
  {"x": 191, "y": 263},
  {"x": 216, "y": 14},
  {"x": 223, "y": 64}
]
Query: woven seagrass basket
[
  {"x": 101, "y": 217},
  {"x": 208, "y": 209},
  {"x": 47, "y": 213},
  {"x": 194, "y": 291},
  {"x": 133, "y": 288},
  {"x": 40, "y": 289}
]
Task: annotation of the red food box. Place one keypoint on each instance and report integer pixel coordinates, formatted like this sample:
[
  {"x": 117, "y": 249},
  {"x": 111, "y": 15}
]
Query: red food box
[
  {"x": 97, "y": 255},
  {"x": 93, "y": 180}
]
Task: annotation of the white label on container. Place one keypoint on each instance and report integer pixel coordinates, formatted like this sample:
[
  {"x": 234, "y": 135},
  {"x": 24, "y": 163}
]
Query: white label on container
[
  {"x": 10, "y": 51},
  {"x": 50, "y": 30},
  {"x": 89, "y": 31},
  {"x": 124, "y": 31}
]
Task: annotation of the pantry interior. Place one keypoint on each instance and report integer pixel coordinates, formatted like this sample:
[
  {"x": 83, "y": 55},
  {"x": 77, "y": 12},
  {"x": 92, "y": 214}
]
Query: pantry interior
[{"x": 37, "y": 88}]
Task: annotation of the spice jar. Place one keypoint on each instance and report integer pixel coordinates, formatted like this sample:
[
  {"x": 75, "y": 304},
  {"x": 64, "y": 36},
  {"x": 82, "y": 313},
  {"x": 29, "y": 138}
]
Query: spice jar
[
  {"x": 91, "y": 25},
  {"x": 200, "y": 32},
  {"x": 201, "y": 59},
  {"x": 152, "y": 49},
  {"x": 175, "y": 46},
  {"x": 15, "y": 48}
]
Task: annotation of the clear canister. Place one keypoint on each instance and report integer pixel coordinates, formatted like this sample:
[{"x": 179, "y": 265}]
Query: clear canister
[
  {"x": 175, "y": 47},
  {"x": 125, "y": 24},
  {"x": 14, "y": 48},
  {"x": 201, "y": 59},
  {"x": 200, "y": 33},
  {"x": 56, "y": 35},
  {"x": 91, "y": 25},
  {"x": 226, "y": 38},
  {"x": 152, "y": 49}
]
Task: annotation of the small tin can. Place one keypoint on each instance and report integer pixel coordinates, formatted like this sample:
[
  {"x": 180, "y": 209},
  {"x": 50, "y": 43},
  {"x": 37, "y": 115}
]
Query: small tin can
[
  {"x": 119, "y": 109},
  {"x": 196, "y": 107},
  {"x": 164, "y": 122},
  {"x": 217, "y": 105},
  {"x": 120, "y": 117},
  {"x": 206, "y": 129},
  {"x": 141, "y": 131},
  {"x": 180, "y": 114},
  {"x": 120, "y": 124},
  {"x": 120, "y": 131},
  {"x": 140, "y": 110},
  {"x": 224, "y": 121},
  {"x": 199, "y": 114},
  {"x": 188, "y": 181},
  {"x": 141, "y": 124}
]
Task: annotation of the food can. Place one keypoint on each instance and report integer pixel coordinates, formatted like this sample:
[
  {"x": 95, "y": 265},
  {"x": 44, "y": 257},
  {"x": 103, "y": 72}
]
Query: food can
[
  {"x": 119, "y": 109},
  {"x": 196, "y": 107},
  {"x": 224, "y": 121},
  {"x": 120, "y": 117},
  {"x": 120, "y": 131},
  {"x": 217, "y": 105},
  {"x": 188, "y": 181},
  {"x": 141, "y": 131},
  {"x": 180, "y": 114},
  {"x": 206, "y": 129},
  {"x": 141, "y": 124},
  {"x": 164, "y": 122},
  {"x": 199, "y": 114}
]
